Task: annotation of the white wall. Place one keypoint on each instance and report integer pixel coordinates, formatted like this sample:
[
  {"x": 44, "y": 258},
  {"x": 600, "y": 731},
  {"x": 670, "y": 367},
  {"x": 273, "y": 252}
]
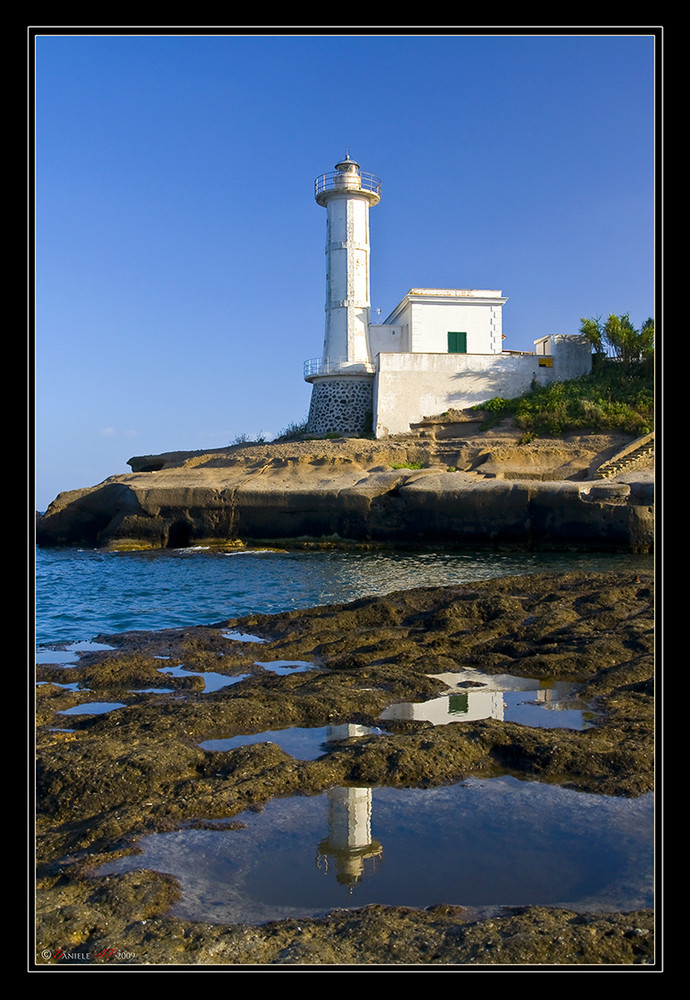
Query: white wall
[
  {"x": 387, "y": 339},
  {"x": 431, "y": 323},
  {"x": 409, "y": 387},
  {"x": 429, "y": 314}
]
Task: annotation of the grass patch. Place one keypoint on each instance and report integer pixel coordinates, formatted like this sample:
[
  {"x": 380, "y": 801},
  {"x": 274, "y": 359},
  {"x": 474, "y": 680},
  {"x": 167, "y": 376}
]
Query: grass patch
[
  {"x": 294, "y": 431},
  {"x": 613, "y": 397}
]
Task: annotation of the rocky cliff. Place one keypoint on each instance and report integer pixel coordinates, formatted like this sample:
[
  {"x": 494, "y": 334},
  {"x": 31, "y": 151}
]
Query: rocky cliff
[{"x": 448, "y": 482}]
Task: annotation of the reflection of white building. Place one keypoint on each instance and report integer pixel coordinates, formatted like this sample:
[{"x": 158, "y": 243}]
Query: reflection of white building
[
  {"x": 349, "y": 842},
  {"x": 485, "y": 699},
  {"x": 468, "y": 706},
  {"x": 440, "y": 348}
]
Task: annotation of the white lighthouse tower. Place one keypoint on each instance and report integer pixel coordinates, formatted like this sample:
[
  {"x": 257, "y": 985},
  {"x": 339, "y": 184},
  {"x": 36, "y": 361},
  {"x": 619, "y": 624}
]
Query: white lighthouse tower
[{"x": 343, "y": 377}]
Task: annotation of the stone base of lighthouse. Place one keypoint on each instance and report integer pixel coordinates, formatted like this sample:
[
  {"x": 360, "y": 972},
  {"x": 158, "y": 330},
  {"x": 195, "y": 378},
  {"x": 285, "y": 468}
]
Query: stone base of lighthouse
[{"x": 341, "y": 404}]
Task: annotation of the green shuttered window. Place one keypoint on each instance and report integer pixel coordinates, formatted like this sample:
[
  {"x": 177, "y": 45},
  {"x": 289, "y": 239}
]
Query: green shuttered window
[{"x": 457, "y": 343}]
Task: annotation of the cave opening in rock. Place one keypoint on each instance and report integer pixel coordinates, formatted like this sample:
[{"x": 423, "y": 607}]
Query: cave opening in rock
[{"x": 179, "y": 535}]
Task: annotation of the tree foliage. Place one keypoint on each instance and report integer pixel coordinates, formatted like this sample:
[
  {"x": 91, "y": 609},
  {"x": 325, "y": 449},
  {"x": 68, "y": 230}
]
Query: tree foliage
[{"x": 619, "y": 339}]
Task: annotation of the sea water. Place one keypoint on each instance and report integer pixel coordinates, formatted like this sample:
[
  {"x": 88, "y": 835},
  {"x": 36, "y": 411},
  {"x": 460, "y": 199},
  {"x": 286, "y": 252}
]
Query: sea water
[{"x": 83, "y": 593}]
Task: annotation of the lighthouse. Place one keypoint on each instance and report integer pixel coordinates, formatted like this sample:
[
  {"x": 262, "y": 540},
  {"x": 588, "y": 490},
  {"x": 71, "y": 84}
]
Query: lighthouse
[{"x": 342, "y": 378}]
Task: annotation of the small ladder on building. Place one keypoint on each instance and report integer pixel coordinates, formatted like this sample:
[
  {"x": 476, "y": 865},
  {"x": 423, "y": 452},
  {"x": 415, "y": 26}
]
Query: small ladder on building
[{"x": 630, "y": 456}]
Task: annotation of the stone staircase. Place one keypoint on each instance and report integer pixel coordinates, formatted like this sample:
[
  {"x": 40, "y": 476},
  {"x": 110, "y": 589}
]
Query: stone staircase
[{"x": 630, "y": 456}]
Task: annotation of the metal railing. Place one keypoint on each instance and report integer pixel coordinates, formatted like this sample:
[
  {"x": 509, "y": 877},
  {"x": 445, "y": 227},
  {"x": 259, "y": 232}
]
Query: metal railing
[
  {"x": 337, "y": 366},
  {"x": 336, "y": 181}
]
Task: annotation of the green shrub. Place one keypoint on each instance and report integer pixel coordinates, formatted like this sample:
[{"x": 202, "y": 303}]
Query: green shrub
[
  {"x": 615, "y": 396},
  {"x": 292, "y": 431}
]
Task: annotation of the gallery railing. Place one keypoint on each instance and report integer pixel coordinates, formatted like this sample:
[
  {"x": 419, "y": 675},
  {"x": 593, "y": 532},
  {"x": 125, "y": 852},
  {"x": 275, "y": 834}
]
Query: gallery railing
[
  {"x": 337, "y": 366},
  {"x": 336, "y": 180}
]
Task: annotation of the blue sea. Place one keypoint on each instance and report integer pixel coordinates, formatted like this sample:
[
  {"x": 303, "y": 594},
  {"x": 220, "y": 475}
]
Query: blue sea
[{"x": 82, "y": 593}]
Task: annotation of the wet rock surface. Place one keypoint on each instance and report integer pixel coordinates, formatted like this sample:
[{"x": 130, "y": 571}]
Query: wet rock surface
[{"x": 104, "y": 780}]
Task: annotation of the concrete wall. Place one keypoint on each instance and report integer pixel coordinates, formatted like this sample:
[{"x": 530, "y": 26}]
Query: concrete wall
[
  {"x": 411, "y": 386},
  {"x": 571, "y": 353}
]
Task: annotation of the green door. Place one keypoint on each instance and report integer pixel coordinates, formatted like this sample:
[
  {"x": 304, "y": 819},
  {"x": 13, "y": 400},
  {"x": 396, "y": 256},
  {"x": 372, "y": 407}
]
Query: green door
[{"x": 457, "y": 343}]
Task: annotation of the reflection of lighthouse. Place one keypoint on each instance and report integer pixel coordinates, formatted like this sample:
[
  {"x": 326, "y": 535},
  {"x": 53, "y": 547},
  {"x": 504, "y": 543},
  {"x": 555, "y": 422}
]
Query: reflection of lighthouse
[
  {"x": 349, "y": 840},
  {"x": 343, "y": 378}
]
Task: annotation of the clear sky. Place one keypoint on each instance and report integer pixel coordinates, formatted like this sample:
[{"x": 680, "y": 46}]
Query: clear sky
[{"x": 179, "y": 252}]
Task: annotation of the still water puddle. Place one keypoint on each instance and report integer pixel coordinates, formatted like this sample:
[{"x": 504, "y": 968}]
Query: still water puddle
[
  {"x": 301, "y": 743},
  {"x": 243, "y": 637},
  {"x": 473, "y": 696},
  {"x": 69, "y": 654},
  {"x": 73, "y": 686},
  {"x": 93, "y": 708},
  {"x": 215, "y": 681},
  {"x": 283, "y": 667},
  {"x": 212, "y": 681},
  {"x": 481, "y": 843}
]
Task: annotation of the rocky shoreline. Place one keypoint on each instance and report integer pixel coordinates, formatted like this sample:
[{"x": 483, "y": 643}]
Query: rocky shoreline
[
  {"x": 115, "y": 777},
  {"x": 474, "y": 488}
]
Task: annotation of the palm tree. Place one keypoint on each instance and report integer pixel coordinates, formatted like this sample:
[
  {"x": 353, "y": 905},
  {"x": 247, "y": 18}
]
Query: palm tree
[{"x": 618, "y": 338}]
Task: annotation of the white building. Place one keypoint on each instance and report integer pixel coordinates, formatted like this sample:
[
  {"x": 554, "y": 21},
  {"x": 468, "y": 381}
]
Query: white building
[{"x": 440, "y": 348}]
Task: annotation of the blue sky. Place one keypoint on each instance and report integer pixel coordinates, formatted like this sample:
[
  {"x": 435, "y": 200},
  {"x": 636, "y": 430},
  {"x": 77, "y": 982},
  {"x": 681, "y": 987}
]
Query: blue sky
[{"x": 179, "y": 253}]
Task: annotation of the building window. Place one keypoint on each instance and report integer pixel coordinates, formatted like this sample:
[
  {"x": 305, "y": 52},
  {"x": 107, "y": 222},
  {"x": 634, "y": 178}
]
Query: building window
[{"x": 457, "y": 343}]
